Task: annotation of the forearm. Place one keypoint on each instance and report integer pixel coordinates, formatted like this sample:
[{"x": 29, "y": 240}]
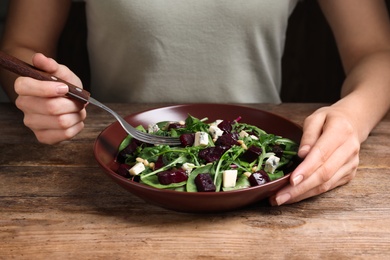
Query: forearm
[
  {"x": 31, "y": 26},
  {"x": 366, "y": 92}
]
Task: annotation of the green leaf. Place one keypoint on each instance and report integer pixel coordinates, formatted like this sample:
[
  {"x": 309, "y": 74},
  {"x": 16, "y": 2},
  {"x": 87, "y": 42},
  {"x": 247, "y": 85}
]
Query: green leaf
[
  {"x": 276, "y": 175},
  {"x": 242, "y": 183},
  {"x": 125, "y": 142},
  {"x": 180, "y": 160},
  {"x": 153, "y": 181}
]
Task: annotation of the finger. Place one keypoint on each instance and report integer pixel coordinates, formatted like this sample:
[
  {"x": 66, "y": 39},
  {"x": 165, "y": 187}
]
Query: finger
[
  {"x": 312, "y": 129},
  {"x": 333, "y": 136},
  {"x": 48, "y": 106},
  {"x": 62, "y": 122},
  {"x": 326, "y": 178},
  {"x": 56, "y": 136},
  {"x": 336, "y": 181},
  {"x": 25, "y": 86},
  {"x": 319, "y": 168},
  {"x": 275, "y": 200},
  {"x": 51, "y": 66},
  {"x": 44, "y": 63}
]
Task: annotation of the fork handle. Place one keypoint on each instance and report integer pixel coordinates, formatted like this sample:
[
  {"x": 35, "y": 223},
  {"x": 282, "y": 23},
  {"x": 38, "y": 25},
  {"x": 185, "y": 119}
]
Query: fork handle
[{"x": 24, "y": 69}]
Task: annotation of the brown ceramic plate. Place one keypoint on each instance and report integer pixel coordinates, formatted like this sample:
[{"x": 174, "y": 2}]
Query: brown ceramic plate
[{"x": 107, "y": 143}]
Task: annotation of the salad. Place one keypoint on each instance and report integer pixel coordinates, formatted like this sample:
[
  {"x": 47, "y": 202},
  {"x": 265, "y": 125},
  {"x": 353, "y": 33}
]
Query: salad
[{"x": 213, "y": 157}]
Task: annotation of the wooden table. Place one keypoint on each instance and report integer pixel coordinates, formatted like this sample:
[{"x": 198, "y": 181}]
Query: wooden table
[{"x": 56, "y": 203}]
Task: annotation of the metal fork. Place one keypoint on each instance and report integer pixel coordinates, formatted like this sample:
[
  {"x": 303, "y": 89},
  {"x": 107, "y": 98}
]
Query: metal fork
[
  {"x": 139, "y": 135},
  {"x": 23, "y": 69}
]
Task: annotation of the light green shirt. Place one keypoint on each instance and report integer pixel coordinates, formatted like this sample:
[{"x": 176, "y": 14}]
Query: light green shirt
[{"x": 187, "y": 51}]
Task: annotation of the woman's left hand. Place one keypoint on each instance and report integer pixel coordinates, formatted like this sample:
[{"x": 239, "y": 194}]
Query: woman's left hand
[{"x": 330, "y": 147}]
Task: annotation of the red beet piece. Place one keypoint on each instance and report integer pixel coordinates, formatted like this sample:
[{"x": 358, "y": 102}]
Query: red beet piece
[
  {"x": 228, "y": 139},
  {"x": 159, "y": 163},
  {"x": 251, "y": 154},
  {"x": 225, "y": 126},
  {"x": 129, "y": 150},
  {"x": 278, "y": 150},
  {"x": 259, "y": 178},
  {"x": 204, "y": 183},
  {"x": 123, "y": 170},
  {"x": 175, "y": 126},
  {"x": 172, "y": 176},
  {"x": 211, "y": 154},
  {"x": 187, "y": 139}
]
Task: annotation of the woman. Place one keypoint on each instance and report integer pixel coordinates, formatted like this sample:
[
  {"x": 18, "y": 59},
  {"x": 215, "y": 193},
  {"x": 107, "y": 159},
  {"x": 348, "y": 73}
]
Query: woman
[{"x": 191, "y": 51}]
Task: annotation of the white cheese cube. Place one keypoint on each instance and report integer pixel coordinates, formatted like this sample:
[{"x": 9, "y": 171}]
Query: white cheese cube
[
  {"x": 243, "y": 134},
  {"x": 201, "y": 139},
  {"x": 137, "y": 169},
  {"x": 215, "y": 132},
  {"x": 254, "y": 137},
  {"x": 271, "y": 164},
  {"x": 229, "y": 178},
  {"x": 188, "y": 167},
  {"x": 153, "y": 128},
  {"x": 216, "y": 122}
]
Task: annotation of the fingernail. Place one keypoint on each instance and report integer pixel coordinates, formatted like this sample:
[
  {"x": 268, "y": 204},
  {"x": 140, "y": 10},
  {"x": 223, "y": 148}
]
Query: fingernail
[
  {"x": 62, "y": 89},
  {"x": 297, "y": 180},
  {"x": 282, "y": 198},
  {"x": 304, "y": 150}
]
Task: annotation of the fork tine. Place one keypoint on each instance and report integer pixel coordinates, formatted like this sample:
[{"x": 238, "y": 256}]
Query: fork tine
[
  {"x": 142, "y": 136},
  {"x": 156, "y": 139},
  {"x": 149, "y": 138}
]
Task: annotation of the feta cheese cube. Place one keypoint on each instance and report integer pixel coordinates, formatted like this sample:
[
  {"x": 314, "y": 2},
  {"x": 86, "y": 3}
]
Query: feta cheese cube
[
  {"x": 215, "y": 132},
  {"x": 243, "y": 134},
  {"x": 188, "y": 167},
  {"x": 229, "y": 178},
  {"x": 201, "y": 139},
  {"x": 137, "y": 169},
  {"x": 216, "y": 122},
  {"x": 153, "y": 128},
  {"x": 271, "y": 164}
]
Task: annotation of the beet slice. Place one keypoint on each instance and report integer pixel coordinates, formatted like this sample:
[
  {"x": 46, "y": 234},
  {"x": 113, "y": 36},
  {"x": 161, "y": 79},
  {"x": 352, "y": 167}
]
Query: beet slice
[
  {"x": 129, "y": 150},
  {"x": 251, "y": 154},
  {"x": 225, "y": 126},
  {"x": 172, "y": 176},
  {"x": 123, "y": 170},
  {"x": 175, "y": 126},
  {"x": 204, "y": 183},
  {"x": 228, "y": 139},
  {"x": 258, "y": 178},
  {"x": 211, "y": 154},
  {"x": 187, "y": 139},
  {"x": 159, "y": 163},
  {"x": 278, "y": 150}
]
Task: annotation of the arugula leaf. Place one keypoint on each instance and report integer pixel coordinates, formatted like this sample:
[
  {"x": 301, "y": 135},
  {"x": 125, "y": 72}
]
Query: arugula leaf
[
  {"x": 179, "y": 160},
  {"x": 276, "y": 175},
  {"x": 242, "y": 183},
  {"x": 125, "y": 142},
  {"x": 153, "y": 181}
]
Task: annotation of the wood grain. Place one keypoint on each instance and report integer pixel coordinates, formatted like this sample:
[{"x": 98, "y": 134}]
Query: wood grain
[{"x": 56, "y": 203}]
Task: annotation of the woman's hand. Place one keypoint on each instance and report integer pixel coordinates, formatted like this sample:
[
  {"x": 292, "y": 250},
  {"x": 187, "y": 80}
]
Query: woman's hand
[
  {"x": 330, "y": 147},
  {"x": 47, "y": 112}
]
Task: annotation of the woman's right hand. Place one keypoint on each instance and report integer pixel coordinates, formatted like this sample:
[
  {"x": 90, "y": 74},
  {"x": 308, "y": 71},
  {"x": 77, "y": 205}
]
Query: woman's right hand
[{"x": 47, "y": 112}]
